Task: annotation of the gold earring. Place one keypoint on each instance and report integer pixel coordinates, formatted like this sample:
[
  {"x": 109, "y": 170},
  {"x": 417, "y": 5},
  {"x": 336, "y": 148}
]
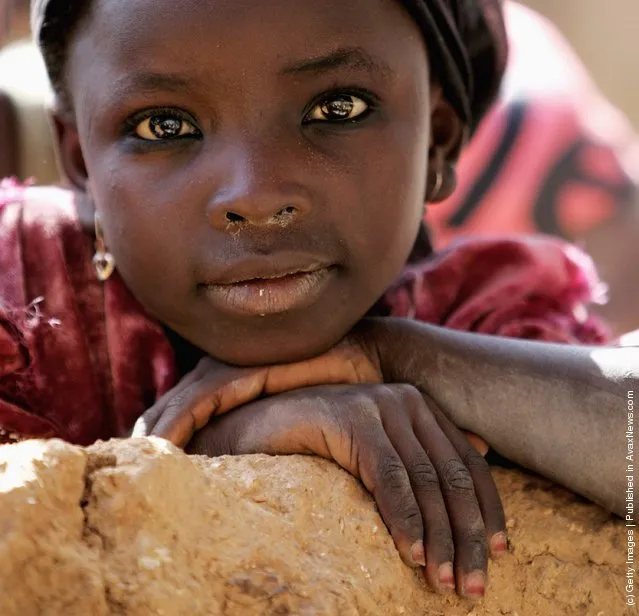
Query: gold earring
[{"x": 103, "y": 260}]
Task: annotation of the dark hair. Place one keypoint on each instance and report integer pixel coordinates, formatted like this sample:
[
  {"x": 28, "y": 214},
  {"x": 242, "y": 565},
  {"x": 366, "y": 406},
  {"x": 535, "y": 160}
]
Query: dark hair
[
  {"x": 58, "y": 26},
  {"x": 467, "y": 41}
]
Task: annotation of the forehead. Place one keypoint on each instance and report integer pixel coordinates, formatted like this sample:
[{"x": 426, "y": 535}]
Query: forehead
[{"x": 161, "y": 34}]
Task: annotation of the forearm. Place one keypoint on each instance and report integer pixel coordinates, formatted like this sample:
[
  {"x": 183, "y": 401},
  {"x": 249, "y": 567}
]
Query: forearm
[{"x": 559, "y": 410}]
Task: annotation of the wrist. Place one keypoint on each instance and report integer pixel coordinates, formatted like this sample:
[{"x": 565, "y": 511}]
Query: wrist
[
  {"x": 430, "y": 358},
  {"x": 406, "y": 350}
]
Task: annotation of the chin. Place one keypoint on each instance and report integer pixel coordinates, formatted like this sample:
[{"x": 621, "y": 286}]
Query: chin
[{"x": 268, "y": 350}]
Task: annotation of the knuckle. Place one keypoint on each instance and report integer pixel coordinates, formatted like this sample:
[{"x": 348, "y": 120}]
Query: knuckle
[
  {"x": 405, "y": 394},
  {"x": 404, "y": 512},
  {"x": 456, "y": 478},
  {"x": 381, "y": 394},
  {"x": 365, "y": 407},
  {"x": 406, "y": 516},
  {"x": 177, "y": 403},
  {"x": 392, "y": 474},
  {"x": 423, "y": 476},
  {"x": 410, "y": 392}
]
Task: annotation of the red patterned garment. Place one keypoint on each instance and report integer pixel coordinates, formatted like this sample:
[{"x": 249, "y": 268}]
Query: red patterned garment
[
  {"x": 552, "y": 156},
  {"x": 81, "y": 360}
]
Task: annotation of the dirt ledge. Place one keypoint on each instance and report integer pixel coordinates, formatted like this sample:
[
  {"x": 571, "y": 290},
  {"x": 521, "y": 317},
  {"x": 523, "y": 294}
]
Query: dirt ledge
[{"x": 137, "y": 528}]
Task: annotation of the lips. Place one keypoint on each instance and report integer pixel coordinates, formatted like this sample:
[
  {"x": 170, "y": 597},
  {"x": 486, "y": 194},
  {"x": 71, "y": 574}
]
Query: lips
[{"x": 267, "y": 286}]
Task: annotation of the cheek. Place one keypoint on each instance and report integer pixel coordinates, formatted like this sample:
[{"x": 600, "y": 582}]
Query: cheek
[
  {"x": 147, "y": 218},
  {"x": 393, "y": 201}
]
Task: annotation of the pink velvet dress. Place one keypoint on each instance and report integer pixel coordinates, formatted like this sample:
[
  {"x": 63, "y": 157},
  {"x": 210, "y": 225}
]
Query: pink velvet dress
[{"x": 80, "y": 359}]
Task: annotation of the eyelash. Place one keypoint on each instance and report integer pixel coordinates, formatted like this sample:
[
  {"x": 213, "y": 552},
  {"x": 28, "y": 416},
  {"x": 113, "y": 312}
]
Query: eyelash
[
  {"x": 132, "y": 123},
  {"x": 372, "y": 104}
]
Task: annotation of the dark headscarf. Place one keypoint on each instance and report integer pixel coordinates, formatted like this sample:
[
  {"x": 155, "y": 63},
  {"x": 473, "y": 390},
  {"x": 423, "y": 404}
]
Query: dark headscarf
[
  {"x": 468, "y": 50},
  {"x": 466, "y": 41}
]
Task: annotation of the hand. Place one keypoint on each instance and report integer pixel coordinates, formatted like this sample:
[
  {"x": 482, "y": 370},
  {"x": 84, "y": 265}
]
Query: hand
[
  {"x": 214, "y": 388},
  {"x": 434, "y": 491},
  {"x": 376, "y": 339}
]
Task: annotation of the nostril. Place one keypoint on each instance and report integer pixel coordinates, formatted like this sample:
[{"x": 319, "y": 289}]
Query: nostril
[
  {"x": 233, "y": 217},
  {"x": 291, "y": 209}
]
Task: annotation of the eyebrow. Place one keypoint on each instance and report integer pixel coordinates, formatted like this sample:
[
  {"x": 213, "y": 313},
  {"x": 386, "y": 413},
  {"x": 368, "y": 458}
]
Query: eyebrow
[
  {"x": 344, "y": 57},
  {"x": 355, "y": 58},
  {"x": 153, "y": 82}
]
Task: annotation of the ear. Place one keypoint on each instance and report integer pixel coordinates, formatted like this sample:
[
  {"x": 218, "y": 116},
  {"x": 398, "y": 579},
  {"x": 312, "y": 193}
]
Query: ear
[
  {"x": 447, "y": 138},
  {"x": 70, "y": 150}
]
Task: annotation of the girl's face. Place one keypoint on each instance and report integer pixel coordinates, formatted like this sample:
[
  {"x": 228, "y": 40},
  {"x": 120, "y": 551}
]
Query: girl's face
[{"x": 259, "y": 168}]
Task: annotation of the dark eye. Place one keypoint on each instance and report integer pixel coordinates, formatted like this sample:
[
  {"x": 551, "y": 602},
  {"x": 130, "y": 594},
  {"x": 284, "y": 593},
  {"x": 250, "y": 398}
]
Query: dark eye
[
  {"x": 338, "y": 108},
  {"x": 163, "y": 127}
]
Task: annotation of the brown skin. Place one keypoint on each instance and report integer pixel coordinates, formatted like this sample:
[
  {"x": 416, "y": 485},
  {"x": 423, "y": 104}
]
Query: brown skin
[
  {"x": 559, "y": 410},
  {"x": 254, "y": 152},
  {"x": 254, "y": 140}
]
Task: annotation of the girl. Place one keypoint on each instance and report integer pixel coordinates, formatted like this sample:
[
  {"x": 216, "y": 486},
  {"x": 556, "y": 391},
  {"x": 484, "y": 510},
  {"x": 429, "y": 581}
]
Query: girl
[{"x": 258, "y": 172}]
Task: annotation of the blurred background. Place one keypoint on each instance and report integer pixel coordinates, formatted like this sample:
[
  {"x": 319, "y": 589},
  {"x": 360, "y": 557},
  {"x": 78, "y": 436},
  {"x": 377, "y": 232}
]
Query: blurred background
[{"x": 605, "y": 34}]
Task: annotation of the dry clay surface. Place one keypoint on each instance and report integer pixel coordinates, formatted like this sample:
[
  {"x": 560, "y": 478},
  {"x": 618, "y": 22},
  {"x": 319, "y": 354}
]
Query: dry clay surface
[{"x": 138, "y": 528}]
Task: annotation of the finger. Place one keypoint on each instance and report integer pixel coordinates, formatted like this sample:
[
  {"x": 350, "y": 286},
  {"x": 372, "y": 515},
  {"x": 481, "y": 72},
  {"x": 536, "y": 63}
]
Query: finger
[
  {"x": 477, "y": 442},
  {"x": 438, "y": 537},
  {"x": 185, "y": 413},
  {"x": 383, "y": 473},
  {"x": 148, "y": 420},
  {"x": 469, "y": 534},
  {"x": 345, "y": 363},
  {"x": 485, "y": 488},
  {"x": 214, "y": 393},
  {"x": 214, "y": 388}
]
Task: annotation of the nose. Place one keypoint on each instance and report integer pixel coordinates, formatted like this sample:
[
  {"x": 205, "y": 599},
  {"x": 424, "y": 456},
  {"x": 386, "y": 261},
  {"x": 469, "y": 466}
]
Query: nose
[{"x": 262, "y": 188}]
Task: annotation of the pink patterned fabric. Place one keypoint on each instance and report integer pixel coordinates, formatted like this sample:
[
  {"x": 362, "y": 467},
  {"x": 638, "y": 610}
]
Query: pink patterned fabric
[
  {"x": 532, "y": 287},
  {"x": 78, "y": 359},
  {"x": 81, "y": 360}
]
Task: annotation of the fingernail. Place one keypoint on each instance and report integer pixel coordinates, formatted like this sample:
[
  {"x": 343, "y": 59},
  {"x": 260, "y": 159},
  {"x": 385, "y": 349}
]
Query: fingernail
[
  {"x": 474, "y": 585},
  {"x": 446, "y": 576},
  {"x": 417, "y": 553},
  {"x": 499, "y": 544}
]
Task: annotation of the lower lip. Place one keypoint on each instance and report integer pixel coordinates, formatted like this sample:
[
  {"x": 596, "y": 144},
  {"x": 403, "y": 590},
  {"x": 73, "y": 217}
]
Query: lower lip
[{"x": 269, "y": 295}]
